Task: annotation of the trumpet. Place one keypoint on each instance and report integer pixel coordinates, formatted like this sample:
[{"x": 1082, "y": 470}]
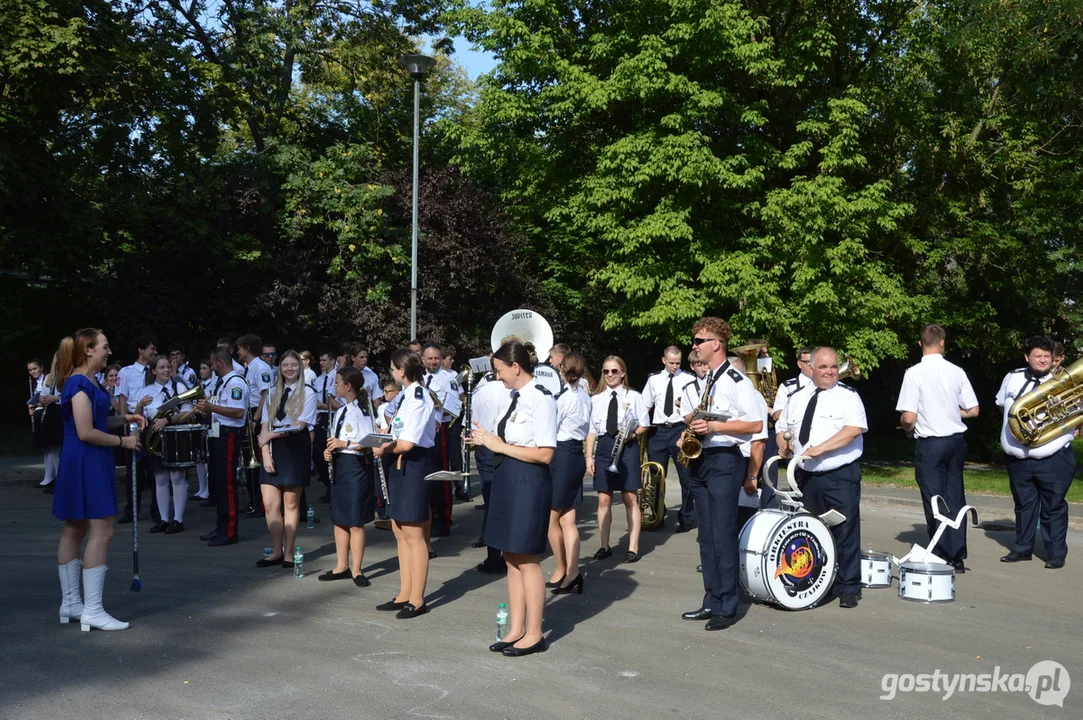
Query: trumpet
[
  {"x": 691, "y": 446},
  {"x": 622, "y": 439}
]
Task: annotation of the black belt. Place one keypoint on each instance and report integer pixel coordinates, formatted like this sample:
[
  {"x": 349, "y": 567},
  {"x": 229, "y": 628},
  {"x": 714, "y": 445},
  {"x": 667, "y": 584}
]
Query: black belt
[
  {"x": 940, "y": 437},
  {"x": 717, "y": 450},
  {"x": 229, "y": 429},
  {"x": 828, "y": 472},
  {"x": 668, "y": 425}
]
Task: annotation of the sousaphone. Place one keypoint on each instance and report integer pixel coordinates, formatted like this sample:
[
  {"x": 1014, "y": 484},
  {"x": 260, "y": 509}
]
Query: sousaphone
[{"x": 528, "y": 327}]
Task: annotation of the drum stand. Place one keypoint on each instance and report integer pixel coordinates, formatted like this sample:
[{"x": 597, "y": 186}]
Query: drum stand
[
  {"x": 925, "y": 554},
  {"x": 790, "y": 498}
]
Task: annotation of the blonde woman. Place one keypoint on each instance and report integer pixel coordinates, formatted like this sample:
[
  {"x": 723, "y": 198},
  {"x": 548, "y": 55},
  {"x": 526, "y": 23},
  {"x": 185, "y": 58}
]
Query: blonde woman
[
  {"x": 612, "y": 404},
  {"x": 286, "y": 444}
]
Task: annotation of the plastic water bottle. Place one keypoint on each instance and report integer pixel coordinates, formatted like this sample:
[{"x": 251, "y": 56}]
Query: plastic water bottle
[
  {"x": 501, "y": 622},
  {"x": 311, "y": 517},
  {"x": 298, "y": 563}
]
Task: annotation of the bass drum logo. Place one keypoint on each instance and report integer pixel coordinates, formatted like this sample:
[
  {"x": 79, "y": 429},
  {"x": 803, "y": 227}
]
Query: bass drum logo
[{"x": 803, "y": 558}]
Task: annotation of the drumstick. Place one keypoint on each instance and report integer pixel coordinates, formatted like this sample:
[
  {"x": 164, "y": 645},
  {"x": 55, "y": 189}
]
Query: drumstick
[{"x": 137, "y": 584}]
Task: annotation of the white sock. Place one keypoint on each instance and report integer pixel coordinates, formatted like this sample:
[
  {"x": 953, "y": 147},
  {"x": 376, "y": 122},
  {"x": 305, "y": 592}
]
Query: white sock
[
  {"x": 52, "y": 462},
  {"x": 180, "y": 494},
  {"x": 201, "y": 473},
  {"x": 161, "y": 487}
]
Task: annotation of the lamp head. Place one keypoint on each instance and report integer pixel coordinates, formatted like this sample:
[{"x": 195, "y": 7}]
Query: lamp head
[{"x": 417, "y": 65}]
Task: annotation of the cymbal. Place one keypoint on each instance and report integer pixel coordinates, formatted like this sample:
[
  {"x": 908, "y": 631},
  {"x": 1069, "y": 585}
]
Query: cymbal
[{"x": 755, "y": 347}]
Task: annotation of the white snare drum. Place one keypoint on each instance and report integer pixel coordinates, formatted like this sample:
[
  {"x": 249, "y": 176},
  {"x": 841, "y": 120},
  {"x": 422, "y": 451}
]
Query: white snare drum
[
  {"x": 184, "y": 446},
  {"x": 875, "y": 569},
  {"x": 927, "y": 582},
  {"x": 787, "y": 559}
]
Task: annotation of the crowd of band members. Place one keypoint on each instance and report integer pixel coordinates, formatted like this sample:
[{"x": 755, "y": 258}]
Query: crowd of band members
[{"x": 539, "y": 427}]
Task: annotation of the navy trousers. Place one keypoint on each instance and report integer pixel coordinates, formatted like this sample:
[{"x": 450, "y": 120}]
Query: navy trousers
[
  {"x": 662, "y": 446},
  {"x": 938, "y": 469},
  {"x": 1039, "y": 486},
  {"x": 839, "y": 489},
  {"x": 717, "y": 477}
]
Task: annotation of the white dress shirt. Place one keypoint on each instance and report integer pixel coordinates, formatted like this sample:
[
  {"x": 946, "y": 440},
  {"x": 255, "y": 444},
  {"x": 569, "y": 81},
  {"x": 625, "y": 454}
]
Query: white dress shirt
[
  {"x": 936, "y": 390},
  {"x": 654, "y": 395},
  {"x": 533, "y": 422},
  {"x": 628, "y": 401},
  {"x": 732, "y": 394},
  {"x": 130, "y": 380},
  {"x": 260, "y": 378},
  {"x": 788, "y": 388},
  {"x": 158, "y": 394},
  {"x": 372, "y": 384},
  {"x": 231, "y": 392},
  {"x": 306, "y": 416},
  {"x": 1015, "y": 384},
  {"x": 573, "y": 413},
  {"x": 350, "y": 423},
  {"x": 490, "y": 402},
  {"x": 414, "y": 421},
  {"x": 836, "y": 408}
]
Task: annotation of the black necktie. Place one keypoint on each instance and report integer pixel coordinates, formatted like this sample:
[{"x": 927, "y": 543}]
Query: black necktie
[
  {"x": 428, "y": 381},
  {"x": 281, "y": 414},
  {"x": 669, "y": 397},
  {"x": 1032, "y": 381},
  {"x": 806, "y": 422},
  {"x": 611, "y": 421},
  {"x": 218, "y": 385},
  {"x": 503, "y": 424},
  {"x": 341, "y": 420},
  {"x": 165, "y": 391}
]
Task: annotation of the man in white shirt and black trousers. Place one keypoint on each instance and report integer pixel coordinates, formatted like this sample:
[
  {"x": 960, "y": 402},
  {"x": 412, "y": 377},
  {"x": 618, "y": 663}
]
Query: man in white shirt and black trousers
[
  {"x": 827, "y": 421},
  {"x": 1040, "y": 475},
  {"x": 719, "y": 473},
  {"x": 662, "y": 394},
  {"x": 935, "y": 397}
]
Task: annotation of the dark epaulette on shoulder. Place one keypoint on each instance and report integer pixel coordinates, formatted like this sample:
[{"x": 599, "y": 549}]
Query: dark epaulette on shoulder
[
  {"x": 1018, "y": 370},
  {"x": 658, "y": 372},
  {"x": 735, "y": 375},
  {"x": 791, "y": 381},
  {"x": 310, "y": 387},
  {"x": 419, "y": 392},
  {"x": 844, "y": 385},
  {"x": 544, "y": 390},
  {"x": 562, "y": 391},
  {"x": 490, "y": 376}
]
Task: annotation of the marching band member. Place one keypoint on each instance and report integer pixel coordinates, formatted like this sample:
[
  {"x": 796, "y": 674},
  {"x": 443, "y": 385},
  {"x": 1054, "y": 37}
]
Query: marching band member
[
  {"x": 661, "y": 395},
  {"x": 521, "y": 496},
  {"x": 86, "y": 498},
  {"x": 207, "y": 381},
  {"x": 324, "y": 385},
  {"x": 133, "y": 378},
  {"x": 448, "y": 363},
  {"x": 372, "y": 380},
  {"x": 47, "y": 425},
  {"x": 935, "y": 397},
  {"x": 440, "y": 493},
  {"x": 227, "y": 408},
  {"x": 718, "y": 474},
  {"x": 490, "y": 401},
  {"x": 454, "y": 410},
  {"x": 179, "y": 361},
  {"x": 547, "y": 374},
  {"x": 610, "y": 406},
  {"x": 231, "y": 345},
  {"x": 270, "y": 356},
  {"x": 353, "y": 496},
  {"x": 286, "y": 449},
  {"x": 789, "y": 387},
  {"x": 391, "y": 391},
  {"x": 149, "y": 399},
  {"x": 307, "y": 361},
  {"x": 828, "y": 421},
  {"x": 1041, "y": 475},
  {"x": 413, "y": 457},
  {"x": 257, "y": 373},
  {"x": 567, "y": 470}
]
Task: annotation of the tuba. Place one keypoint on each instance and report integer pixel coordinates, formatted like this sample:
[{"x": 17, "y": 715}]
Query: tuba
[
  {"x": 526, "y": 326},
  {"x": 691, "y": 447},
  {"x": 848, "y": 368},
  {"x": 1051, "y": 409},
  {"x": 168, "y": 408},
  {"x": 652, "y": 496}
]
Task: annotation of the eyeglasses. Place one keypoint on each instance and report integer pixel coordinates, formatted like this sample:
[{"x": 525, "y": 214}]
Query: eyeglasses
[
  {"x": 270, "y": 354},
  {"x": 610, "y": 372},
  {"x": 697, "y": 341}
]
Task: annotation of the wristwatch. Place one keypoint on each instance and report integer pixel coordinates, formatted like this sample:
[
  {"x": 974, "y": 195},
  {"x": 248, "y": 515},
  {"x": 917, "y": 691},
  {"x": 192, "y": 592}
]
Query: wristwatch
[{"x": 752, "y": 477}]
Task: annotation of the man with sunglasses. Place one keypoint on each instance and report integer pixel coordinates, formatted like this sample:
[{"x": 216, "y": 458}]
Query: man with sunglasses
[
  {"x": 719, "y": 473},
  {"x": 788, "y": 388}
]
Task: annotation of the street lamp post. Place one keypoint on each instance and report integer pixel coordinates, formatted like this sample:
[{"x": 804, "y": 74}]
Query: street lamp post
[{"x": 416, "y": 65}]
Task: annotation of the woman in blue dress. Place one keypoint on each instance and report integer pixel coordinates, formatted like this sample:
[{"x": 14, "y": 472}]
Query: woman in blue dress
[
  {"x": 522, "y": 493},
  {"x": 86, "y": 498}
]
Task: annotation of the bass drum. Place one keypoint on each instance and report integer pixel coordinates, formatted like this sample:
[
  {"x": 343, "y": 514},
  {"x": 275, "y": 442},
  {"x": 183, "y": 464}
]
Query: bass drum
[{"x": 787, "y": 559}]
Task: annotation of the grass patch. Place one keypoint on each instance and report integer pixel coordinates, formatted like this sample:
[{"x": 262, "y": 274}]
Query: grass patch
[{"x": 990, "y": 482}]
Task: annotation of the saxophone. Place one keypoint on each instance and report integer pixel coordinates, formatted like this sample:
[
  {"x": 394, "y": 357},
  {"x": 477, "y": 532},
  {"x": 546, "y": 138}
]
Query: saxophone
[
  {"x": 652, "y": 496},
  {"x": 1051, "y": 409},
  {"x": 691, "y": 447}
]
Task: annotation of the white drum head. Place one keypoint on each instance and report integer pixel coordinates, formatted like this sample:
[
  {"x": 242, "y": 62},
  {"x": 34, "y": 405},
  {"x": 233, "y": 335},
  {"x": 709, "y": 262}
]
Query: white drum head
[{"x": 800, "y": 562}]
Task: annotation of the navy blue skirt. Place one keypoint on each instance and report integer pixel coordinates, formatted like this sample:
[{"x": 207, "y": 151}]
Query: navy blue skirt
[
  {"x": 519, "y": 507},
  {"x": 627, "y": 477},
  {"x": 409, "y": 492},
  {"x": 292, "y": 454},
  {"x": 567, "y": 469},
  {"x": 353, "y": 497}
]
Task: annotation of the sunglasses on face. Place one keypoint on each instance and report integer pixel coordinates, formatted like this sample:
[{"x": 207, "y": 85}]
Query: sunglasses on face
[
  {"x": 270, "y": 354},
  {"x": 610, "y": 372},
  {"x": 697, "y": 341}
]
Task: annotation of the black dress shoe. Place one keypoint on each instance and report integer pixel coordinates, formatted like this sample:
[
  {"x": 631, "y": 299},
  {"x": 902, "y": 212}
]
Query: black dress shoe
[
  {"x": 1055, "y": 563},
  {"x": 848, "y": 600},
  {"x": 494, "y": 568},
  {"x": 332, "y": 575},
  {"x": 575, "y": 586},
  {"x": 631, "y": 557},
  {"x": 158, "y": 527},
  {"x": 1013, "y": 556},
  {"x": 409, "y": 611},
  {"x": 125, "y": 518},
  {"x": 500, "y": 645},
  {"x": 209, "y": 536},
  {"x": 701, "y": 614},
  {"x": 220, "y": 541},
  {"x": 270, "y": 562},
  {"x": 461, "y": 496},
  {"x": 209, "y": 502},
  {"x": 959, "y": 567},
  {"x": 49, "y": 489},
  {"x": 479, "y": 507},
  {"x": 718, "y": 622},
  {"x": 556, "y": 583},
  {"x": 391, "y": 605},
  {"x": 432, "y": 554},
  {"x": 683, "y": 528},
  {"x": 361, "y": 581},
  {"x": 287, "y": 564},
  {"x": 537, "y": 647},
  {"x": 479, "y": 543},
  {"x": 174, "y": 527},
  {"x": 603, "y": 553}
]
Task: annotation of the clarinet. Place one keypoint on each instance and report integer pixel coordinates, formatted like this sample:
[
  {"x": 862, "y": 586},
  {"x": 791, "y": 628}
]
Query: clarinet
[
  {"x": 467, "y": 428},
  {"x": 378, "y": 460}
]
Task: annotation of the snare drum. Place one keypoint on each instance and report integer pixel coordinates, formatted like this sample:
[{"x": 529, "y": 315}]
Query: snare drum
[
  {"x": 184, "y": 446},
  {"x": 875, "y": 569},
  {"x": 787, "y": 559},
  {"x": 927, "y": 582}
]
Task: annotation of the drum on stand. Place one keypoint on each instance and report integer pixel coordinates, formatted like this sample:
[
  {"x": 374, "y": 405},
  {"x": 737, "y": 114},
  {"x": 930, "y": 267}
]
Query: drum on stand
[
  {"x": 787, "y": 559},
  {"x": 184, "y": 446},
  {"x": 875, "y": 569},
  {"x": 927, "y": 582}
]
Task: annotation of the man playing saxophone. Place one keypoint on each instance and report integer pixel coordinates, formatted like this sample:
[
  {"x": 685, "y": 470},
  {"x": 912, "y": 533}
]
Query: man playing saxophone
[
  {"x": 1040, "y": 475},
  {"x": 718, "y": 473}
]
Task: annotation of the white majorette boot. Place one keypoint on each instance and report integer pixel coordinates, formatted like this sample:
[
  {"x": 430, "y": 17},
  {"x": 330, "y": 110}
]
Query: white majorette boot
[
  {"x": 71, "y": 590},
  {"x": 94, "y": 615}
]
